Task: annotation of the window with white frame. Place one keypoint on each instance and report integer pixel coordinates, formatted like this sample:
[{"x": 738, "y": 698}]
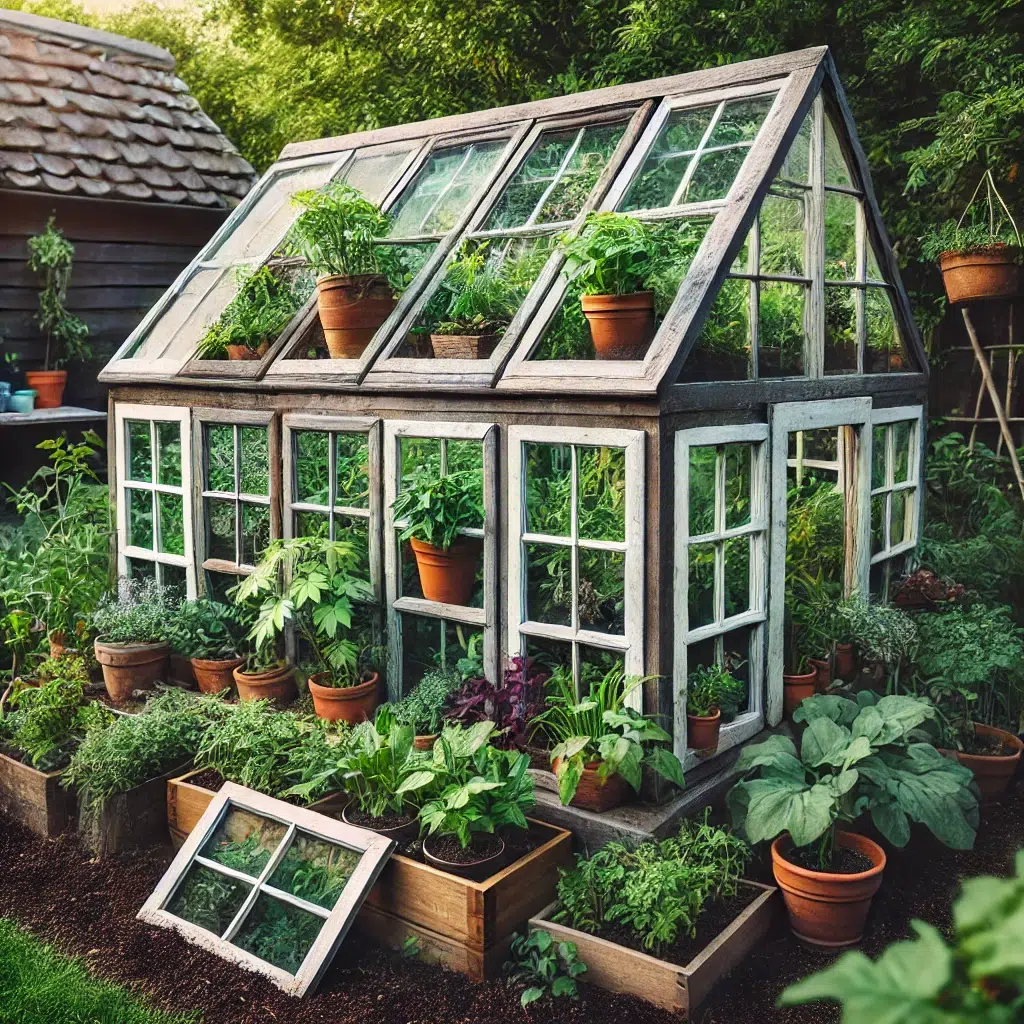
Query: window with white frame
[
  {"x": 721, "y": 507},
  {"x": 154, "y": 483},
  {"x": 576, "y": 551},
  {"x": 424, "y": 635}
]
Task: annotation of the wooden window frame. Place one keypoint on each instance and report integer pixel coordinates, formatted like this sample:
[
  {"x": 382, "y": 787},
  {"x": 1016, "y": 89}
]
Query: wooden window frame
[
  {"x": 153, "y": 414},
  {"x": 375, "y": 851},
  {"x": 631, "y": 643},
  {"x": 485, "y": 618},
  {"x": 751, "y": 721}
]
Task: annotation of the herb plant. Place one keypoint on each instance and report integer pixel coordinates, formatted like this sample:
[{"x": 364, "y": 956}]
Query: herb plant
[
  {"x": 481, "y": 300},
  {"x": 711, "y": 687},
  {"x": 612, "y": 255},
  {"x": 438, "y": 509},
  {"x": 544, "y": 967},
  {"x": 208, "y": 630},
  {"x": 880, "y": 632},
  {"x": 139, "y": 612},
  {"x": 424, "y": 706},
  {"x": 966, "y": 239}
]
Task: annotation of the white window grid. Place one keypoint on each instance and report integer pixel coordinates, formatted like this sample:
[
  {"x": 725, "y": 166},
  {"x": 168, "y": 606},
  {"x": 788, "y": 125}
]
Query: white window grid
[
  {"x": 913, "y": 417},
  {"x": 521, "y": 629},
  {"x": 754, "y": 436}
]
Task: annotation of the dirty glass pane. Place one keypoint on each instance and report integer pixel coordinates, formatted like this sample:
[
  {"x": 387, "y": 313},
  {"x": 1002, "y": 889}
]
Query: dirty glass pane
[
  {"x": 220, "y": 458},
  {"x": 255, "y": 532},
  {"x": 840, "y": 236},
  {"x": 548, "y": 583},
  {"x": 315, "y": 870},
  {"x": 714, "y": 175},
  {"x": 255, "y": 460},
  {"x": 701, "y": 589},
  {"x": 174, "y": 578},
  {"x": 244, "y": 841},
  {"x": 352, "y": 469},
  {"x": 884, "y": 352},
  {"x": 782, "y": 234},
  {"x": 168, "y": 440},
  {"x": 548, "y": 488},
  {"x": 797, "y": 163},
  {"x": 372, "y": 173},
  {"x": 601, "y": 500},
  {"x": 723, "y": 349},
  {"x": 601, "y": 591},
  {"x": 703, "y": 472},
  {"x": 172, "y": 523},
  {"x": 836, "y": 170},
  {"x": 140, "y": 518},
  {"x": 738, "y": 458},
  {"x": 741, "y": 120},
  {"x": 220, "y": 529},
  {"x": 581, "y": 174},
  {"x": 311, "y": 467},
  {"x": 208, "y": 899},
  {"x": 737, "y": 575},
  {"x": 878, "y": 457},
  {"x": 781, "y": 329},
  {"x": 840, "y": 330},
  {"x": 279, "y": 933},
  {"x": 901, "y": 444},
  {"x": 139, "y": 454}
]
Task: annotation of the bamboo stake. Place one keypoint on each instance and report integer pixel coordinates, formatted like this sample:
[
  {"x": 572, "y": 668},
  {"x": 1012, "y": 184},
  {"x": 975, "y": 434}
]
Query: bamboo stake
[
  {"x": 986, "y": 373},
  {"x": 1010, "y": 360}
]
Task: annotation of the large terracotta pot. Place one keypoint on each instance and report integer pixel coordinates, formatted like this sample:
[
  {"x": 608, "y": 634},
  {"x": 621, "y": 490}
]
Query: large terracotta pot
[
  {"x": 475, "y": 870},
  {"x": 463, "y": 346},
  {"x": 49, "y": 387},
  {"x": 352, "y": 310},
  {"x": 621, "y": 326},
  {"x": 597, "y": 794},
  {"x": 825, "y": 908},
  {"x": 402, "y": 834},
  {"x": 214, "y": 676},
  {"x": 128, "y": 667},
  {"x": 702, "y": 732},
  {"x": 846, "y": 661},
  {"x": 277, "y": 684},
  {"x": 352, "y": 704},
  {"x": 823, "y": 673},
  {"x": 796, "y": 688},
  {"x": 244, "y": 353},
  {"x": 993, "y": 772},
  {"x": 447, "y": 576},
  {"x": 972, "y": 277}
]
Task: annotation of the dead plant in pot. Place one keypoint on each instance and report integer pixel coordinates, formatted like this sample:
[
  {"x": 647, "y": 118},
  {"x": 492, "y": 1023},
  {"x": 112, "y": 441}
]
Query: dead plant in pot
[
  {"x": 855, "y": 757},
  {"x": 713, "y": 694},
  {"x": 212, "y": 636}
]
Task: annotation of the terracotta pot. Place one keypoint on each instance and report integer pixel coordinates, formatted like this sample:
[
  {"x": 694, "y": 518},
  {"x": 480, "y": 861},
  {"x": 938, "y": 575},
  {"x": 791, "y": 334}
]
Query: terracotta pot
[
  {"x": 477, "y": 870},
  {"x": 402, "y": 834},
  {"x": 128, "y": 667},
  {"x": 971, "y": 277},
  {"x": 49, "y": 387},
  {"x": 702, "y": 732},
  {"x": 823, "y": 672},
  {"x": 845, "y": 661},
  {"x": 993, "y": 772},
  {"x": 352, "y": 310},
  {"x": 58, "y": 641},
  {"x": 796, "y": 688},
  {"x": 425, "y": 742},
  {"x": 463, "y": 346},
  {"x": 277, "y": 684},
  {"x": 825, "y": 908},
  {"x": 595, "y": 794},
  {"x": 243, "y": 352},
  {"x": 448, "y": 576},
  {"x": 352, "y": 704},
  {"x": 621, "y": 326},
  {"x": 214, "y": 676}
]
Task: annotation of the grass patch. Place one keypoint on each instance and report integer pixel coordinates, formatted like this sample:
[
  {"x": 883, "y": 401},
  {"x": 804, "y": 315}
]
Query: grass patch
[{"x": 40, "y": 986}]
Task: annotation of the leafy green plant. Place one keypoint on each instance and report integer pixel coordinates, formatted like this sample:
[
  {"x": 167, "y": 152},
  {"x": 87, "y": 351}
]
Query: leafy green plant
[
  {"x": 138, "y": 612},
  {"x": 544, "y": 967},
  {"x": 881, "y": 632},
  {"x": 988, "y": 226},
  {"x": 978, "y": 977},
  {"x": 481, "y": 300},
  {"x": 612, "y": 255},
  {"x": 601, "y": 728},
  {"x": 208, "y": 630},
  {"x": 424, "y": 706},
  {"x": 437, "y": 509},
  {"x": 711, "y": 687},
  {"x": 855, "y": 757}
]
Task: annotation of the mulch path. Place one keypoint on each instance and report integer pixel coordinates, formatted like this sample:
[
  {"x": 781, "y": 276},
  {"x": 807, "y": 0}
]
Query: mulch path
[{"x": 89, "y": 908}]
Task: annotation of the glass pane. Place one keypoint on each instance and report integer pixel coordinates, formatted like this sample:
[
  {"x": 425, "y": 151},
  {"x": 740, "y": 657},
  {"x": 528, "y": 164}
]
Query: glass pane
[
  {"x": 409, "y": 577},
  {"x": 701, "y": 589},
  {"x": 737, "y": 485},
  {"x": 595, "y": 664},
  {"x": 901, "y": 446},
  {"x": 714, "y": 175},
  {"x": 797, "y": 163},
  {"x": 312, "y": 468},
  {"x": 737, "y": 575},
  {"x": 601, "y": 593},
  {"x": 549, "y": 654},
  {"x": 840, "y": 237},
  {"x": 315, "y": 870},
  {"x": 139, "y": 454},
  {"x": 703, "y": 463},
  {"x": 873, "y": 269},
  {"x": 581, "y": 174},
  {"x": 601, "y": 501},
  {"x": 878, "y": 456},
  {"x": 352, "y": 468},
  {"x": 172, "y": 523},
  {"x": 836, "y": 170},
  {"x": 140, "y": 519},
  {"x": 884, "y": 351},
  {"x": 421, "y": 457},
  {"x": 312, "y": 524},
  {"x": 521, "y": 200},
  {"x": 372, "y": 172},
  {"x": 220, "y": 529},
  {"x": 840, "y": 330},
  {"x": 782, "y": 235},
  {"x": 548, "y": 488},
  {"x": 141, "y": 570},
  {"x": 278, "y": 933},
  {"x": 899, "y": 524},
  {"x": 781, "y": 329},
  {"x": 356, "y": 532},
  {"x": 255, "y": 459},
  {"x": 220, "y": 456},
  {"x": 548, "y": 583},
  {"x": 741, "y": 120},
  {"x": 244, "y": 841},
  {"x": 218, "y": 584},
  {"x": 723, "y": 350},
  {"x": 877, "y": 524},
  {"x": 255, "y": 532},
  {"x": 168, "y": 438},
  {"x": 437, "y": 644},
  {"x": 173, "y": 578},
  {"x": 208, "y": 899}
]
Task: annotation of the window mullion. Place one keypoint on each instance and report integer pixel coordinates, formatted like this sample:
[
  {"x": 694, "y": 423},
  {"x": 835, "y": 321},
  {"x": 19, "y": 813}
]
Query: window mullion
[
  {"x": 814, "y": 248},
  {"x": 332, "y": 480},
  {"x": 574, "y": 537},
  {"x": 236, "y": 470}
]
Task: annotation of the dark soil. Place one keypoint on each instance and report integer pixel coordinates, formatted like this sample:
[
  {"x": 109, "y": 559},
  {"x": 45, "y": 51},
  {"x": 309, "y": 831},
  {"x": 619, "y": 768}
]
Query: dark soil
[
  {"x": 989, "y": 746},
  {"x": 208, "y": 779},
  {"x": 844, "y": 861},
  {"x": 375, "y": 822},
  {"x": 450, "y": 849}
]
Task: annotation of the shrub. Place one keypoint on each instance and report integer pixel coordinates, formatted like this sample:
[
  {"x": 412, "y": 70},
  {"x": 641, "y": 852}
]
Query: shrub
[
  {"x": 208, "y": 629},
  {"x": 424, "y": 706}
]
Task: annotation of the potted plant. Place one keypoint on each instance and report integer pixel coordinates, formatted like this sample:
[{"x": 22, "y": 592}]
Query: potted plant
[
  {"x": 424, "y": 707},
  {"x": 437, "y": 509},
  {"x": 480, "y": 306},
  {"x": 712, "y": 693},
  {"x": 51, "y": 255},
  {"x": 483, "y": 791},
  {"x": 979, "y": 259},
  {"x": 210, "y": 635},
  {"x": 855, "y": 757},
  {"x": 309, "y": 582},
  {"x": 885, "y": 637},
  {"x": 131, "y": 627},
  {"x": 337, "y": 234},
  {"x": 600, "y": 746},
  {"x": 610, "y": 261},
  {"x": 253, "y": 319}
]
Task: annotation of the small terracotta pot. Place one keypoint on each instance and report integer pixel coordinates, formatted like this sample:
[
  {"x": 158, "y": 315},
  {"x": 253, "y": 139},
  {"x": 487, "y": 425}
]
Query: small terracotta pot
[
  {"x": 702, "y": 732},
  {"x": 823, "y": 672},
  {"x": 128, "y": 667},
  {"x": 845, "y": 661},
  {"x": 825, "y": 908},
  {"x": 993, "y": 772},
  {"x": 352, "y": 704},
  {"x": 425, "y": 742},
  {"x": 58, "y": 641},
  {"x": 621, "y": 326},
  {"x": 463, "y": 346},
  {"x": 244, "y": 353},
  {"x": 477, "y": 870},
  {"x": 352, "y": 310},
  {"x": 447, "y": 576},
  {"x": 595, "y": 794},
  {"x": 277, "y": 684},
  {"x": 402, "y": 834},
  {"x": 796, "y": 688},
  {"x": 973, "y": 277},
  {"x": 49, "y": 387},
  {"x": 214, "y": 676}
]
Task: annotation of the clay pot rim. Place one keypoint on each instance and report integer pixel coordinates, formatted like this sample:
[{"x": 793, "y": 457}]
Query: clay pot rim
[
  {"x": 852, "y": 841},
  {"x": 1009, "y": 739},
  {"x": 638, "y": 297},
  {"x": 460, "y": 542},
  {"x": 100, "y": 644},
  {"x": 798, "y": 678},
  {"x": 1002, "y": 251},
  {"x": 220, "y": 663},
  {"x": 341, "y": 693},
  {"x": 706, "y": 718},
  {"x": 466, "y": 865},
  {"x": 46, "y": 374},
  {"x": 264, "y": 675}
]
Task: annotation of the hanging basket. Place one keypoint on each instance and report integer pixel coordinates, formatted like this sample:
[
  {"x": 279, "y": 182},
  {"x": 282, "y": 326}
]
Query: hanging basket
[{"x": 980, "y": 276}]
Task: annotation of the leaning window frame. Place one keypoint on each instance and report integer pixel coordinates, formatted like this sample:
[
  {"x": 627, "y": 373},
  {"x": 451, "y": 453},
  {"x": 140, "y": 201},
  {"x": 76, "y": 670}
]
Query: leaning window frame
[
  {"x": 751, "y": 721},
  {"x": 375, "y": 851},
  {"x": 631, "y": 643},
  {"x": 153, "y": 414}
]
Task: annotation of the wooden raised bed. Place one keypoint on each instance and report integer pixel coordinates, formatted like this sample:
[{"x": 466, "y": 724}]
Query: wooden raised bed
[
  {"x": 35, "y": 798},
  {"x": 674, "y": 988}
]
